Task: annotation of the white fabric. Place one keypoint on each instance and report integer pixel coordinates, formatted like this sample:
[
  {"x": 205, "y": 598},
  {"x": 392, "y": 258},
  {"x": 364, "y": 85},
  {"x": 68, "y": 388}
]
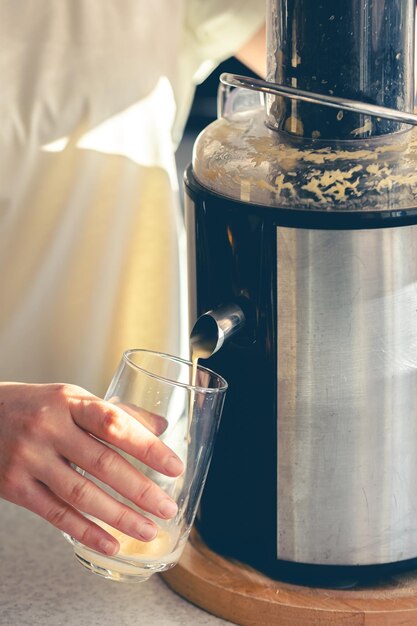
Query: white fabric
[{"x": 94, "y": 96}]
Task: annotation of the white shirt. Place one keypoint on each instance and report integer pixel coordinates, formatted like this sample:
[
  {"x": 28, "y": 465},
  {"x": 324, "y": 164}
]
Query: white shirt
[{"x": 94, "y": 97}]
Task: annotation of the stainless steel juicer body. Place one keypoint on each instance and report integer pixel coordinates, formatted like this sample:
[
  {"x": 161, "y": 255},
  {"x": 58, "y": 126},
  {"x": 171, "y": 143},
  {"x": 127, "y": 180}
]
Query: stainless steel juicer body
[
  {"x": 347, "y": 402},
  {"x": 316, "y": 237}
]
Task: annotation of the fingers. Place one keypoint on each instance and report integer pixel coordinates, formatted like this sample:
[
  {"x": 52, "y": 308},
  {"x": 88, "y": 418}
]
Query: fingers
[
  {"x": 111, "y": 468},
  {"x": 65, "y": 518},
  {"x": 84, "y": 495},
  {"x": 44, "y": 428},
  {"x": 155, "y": 423},
  {"x": 113, "y": 425}
]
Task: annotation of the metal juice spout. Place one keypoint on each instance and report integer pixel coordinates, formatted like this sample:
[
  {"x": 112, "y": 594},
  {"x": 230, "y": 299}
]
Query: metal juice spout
[{"x": 213, "y": 328}]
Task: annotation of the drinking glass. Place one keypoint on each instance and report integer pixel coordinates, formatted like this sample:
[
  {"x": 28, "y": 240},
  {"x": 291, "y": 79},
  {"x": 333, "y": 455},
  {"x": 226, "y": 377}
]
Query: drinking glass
[{"x": 159, "y": 384}]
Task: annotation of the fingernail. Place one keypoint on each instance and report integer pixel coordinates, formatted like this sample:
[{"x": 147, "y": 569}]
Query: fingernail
[
  {"x": 109, "y": 547},
  {"x": 148, "y": 531},
  {"x": 167, "y": 508},
  {"x": 161, "y": 424},
  {"x": 173, "y": 465}
]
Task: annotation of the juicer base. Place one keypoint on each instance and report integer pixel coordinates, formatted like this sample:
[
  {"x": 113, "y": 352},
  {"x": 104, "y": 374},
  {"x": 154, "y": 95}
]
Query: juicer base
[{"x": 240, "y": 594}]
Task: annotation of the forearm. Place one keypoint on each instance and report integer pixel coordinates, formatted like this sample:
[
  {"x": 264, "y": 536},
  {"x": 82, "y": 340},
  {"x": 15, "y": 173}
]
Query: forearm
[{"x": 253, "y": 53}]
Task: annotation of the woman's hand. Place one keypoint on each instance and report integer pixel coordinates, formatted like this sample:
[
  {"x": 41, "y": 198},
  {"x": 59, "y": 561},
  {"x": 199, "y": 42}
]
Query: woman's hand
[{"x": 45, "y": 428}]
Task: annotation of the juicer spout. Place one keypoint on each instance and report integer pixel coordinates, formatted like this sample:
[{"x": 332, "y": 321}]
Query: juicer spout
[{"x": 214, "y": 328}]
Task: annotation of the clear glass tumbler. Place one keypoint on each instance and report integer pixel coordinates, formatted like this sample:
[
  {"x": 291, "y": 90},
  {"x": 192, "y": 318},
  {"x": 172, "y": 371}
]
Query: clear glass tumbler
[{"x": 160, "y": 384}]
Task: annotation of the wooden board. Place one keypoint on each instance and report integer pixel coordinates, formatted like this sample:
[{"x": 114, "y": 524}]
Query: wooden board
[{"x": 243, "y": 596}]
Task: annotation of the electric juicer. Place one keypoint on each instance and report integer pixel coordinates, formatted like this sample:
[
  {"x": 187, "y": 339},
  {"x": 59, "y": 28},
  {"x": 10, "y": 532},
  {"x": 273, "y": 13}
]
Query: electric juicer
[{"x": 303, "y": 213}]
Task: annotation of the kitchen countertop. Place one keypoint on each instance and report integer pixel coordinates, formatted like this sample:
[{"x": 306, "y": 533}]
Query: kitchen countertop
[{"x": 41, "y": 584}]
